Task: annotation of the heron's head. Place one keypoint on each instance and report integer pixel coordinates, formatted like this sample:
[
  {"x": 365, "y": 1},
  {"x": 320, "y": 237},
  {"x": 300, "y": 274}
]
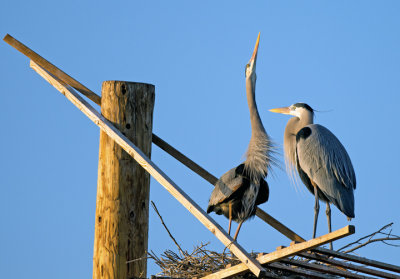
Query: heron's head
[
  {"x": 298, "y": 110},
  {"x": 251, "y": 66}
]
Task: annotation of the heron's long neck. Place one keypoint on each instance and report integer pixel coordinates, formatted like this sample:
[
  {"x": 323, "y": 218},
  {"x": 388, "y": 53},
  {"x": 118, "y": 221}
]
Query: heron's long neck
[
  {"x": 256, "y": 124},
  {"x": 293, "y": 126},
  {"x": 258, "y": 157}
]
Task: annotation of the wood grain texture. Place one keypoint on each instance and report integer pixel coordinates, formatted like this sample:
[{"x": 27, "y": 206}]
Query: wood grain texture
[
  {"x": 153, "y": 169},
  {"x": 123, "y": 187}
]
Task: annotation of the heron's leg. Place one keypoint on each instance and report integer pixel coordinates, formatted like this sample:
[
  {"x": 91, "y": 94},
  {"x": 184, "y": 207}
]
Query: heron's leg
[
  {"x": 237, "y": 230},
  {"x": 328, "y": 215},
  {"x": 230, "y": 218},
  {"x": 316, "y": 208}
]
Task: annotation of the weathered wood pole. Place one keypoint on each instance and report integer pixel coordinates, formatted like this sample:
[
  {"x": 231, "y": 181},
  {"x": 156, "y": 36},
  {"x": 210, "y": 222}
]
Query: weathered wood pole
[{"x": 122, "y": 206}]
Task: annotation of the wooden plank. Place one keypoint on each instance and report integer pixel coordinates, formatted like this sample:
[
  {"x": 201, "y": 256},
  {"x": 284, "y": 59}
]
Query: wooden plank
[
  {"x": 212, "y": 180},
  {"x": 299, "y": 271},
  {"x": 325, "y": 269},
  {"x": 49, "y": 67},
  {"x": 346, "y": 265},
  {"x": 153, "y": 169},
  {"x": 357, "y": 259},
  {"x": 285, "y": 252}
]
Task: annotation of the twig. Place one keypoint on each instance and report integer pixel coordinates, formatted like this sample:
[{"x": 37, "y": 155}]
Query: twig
[
  {"x": 165, "y": 226},
  {"x": 368, "y": 239},
  {"x": 139, "y": 259}
]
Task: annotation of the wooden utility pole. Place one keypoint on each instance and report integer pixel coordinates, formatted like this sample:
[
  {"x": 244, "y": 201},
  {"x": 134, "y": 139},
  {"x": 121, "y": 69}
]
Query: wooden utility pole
[{"x": 122, "y": 207}]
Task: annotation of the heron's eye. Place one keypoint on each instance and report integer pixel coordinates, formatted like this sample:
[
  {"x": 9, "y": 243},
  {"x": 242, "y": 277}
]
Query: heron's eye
[{"x": 245, "y": 70}]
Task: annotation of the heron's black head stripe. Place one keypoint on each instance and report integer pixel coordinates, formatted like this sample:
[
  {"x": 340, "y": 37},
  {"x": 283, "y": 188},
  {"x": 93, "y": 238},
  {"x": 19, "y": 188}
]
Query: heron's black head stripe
[
  {"x": 303, "y": 133},
  {"x": 303, "y": 105}
]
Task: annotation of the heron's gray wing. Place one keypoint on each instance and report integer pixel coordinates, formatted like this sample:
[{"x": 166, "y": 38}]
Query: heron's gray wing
[
  {"x": 228, "y": 184},
  {"x": 325, "y": 161}
]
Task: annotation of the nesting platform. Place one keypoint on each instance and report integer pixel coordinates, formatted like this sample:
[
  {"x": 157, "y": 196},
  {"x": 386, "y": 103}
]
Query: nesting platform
[{"x": 314, "y": 263}]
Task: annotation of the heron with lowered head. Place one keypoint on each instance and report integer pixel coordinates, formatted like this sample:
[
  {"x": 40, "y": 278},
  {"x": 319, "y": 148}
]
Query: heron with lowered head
[
  {"x": 238, "y": 192},
  {"x": 321, "y": 161}
]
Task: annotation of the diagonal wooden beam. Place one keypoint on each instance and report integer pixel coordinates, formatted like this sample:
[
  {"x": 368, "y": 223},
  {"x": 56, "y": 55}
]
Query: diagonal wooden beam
[
  {"x": 300, "y": 271},
  {"x": 357, "y": 259},
  {"x": 49, "y": 67},
  {"x": 366, "y": 270},
  {"x": 284, "y": 253},
  {"x": 153, "y": 169},
  {"x": 66, "y": 79}
]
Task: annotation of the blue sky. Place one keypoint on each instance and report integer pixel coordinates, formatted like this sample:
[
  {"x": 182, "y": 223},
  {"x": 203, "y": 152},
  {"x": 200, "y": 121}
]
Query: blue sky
[{"x": 340, "y": 57}]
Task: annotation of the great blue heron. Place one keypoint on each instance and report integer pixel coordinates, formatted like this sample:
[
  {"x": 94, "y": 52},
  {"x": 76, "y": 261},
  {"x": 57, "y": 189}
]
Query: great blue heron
[
  {"x": 321, "y": 161},
  {"x": 238, "y": 192}
]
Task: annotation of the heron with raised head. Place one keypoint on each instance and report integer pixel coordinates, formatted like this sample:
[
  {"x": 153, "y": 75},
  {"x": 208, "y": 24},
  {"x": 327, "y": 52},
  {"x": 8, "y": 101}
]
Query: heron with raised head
[
  {"x": 321, "y": 161},
  {"x": 238, "y": 192}
]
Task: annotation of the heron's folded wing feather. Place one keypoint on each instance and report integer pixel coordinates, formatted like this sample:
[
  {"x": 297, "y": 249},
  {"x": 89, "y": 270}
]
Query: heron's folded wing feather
[
  {"x": 230, "y": 182},
  {"x": 321, "y": 154}
]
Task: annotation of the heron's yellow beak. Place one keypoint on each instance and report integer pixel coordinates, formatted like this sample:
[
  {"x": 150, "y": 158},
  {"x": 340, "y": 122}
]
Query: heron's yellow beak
[
  {"x": 254, "y": 56},
  {"x": 284, "y": 110}
]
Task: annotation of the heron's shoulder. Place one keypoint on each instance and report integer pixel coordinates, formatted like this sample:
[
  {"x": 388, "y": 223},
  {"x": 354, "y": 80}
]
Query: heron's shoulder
[
  {"x": 314, "y": 131},
  {"x": 304, "y": 133},
  {"x": 318, "y": 128}
]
